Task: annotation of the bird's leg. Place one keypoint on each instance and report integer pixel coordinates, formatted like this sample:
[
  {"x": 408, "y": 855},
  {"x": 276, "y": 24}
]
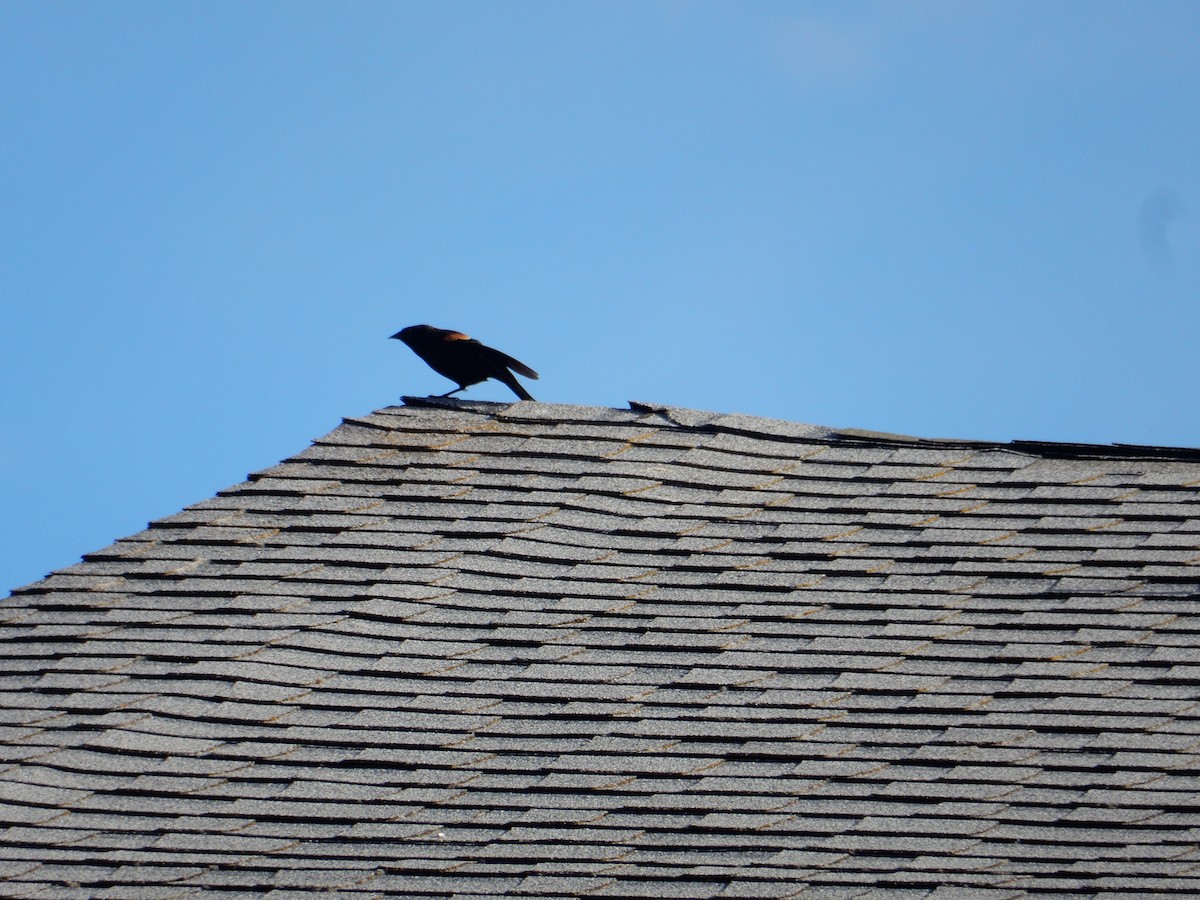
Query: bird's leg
[{"x": 449, "y": 393}]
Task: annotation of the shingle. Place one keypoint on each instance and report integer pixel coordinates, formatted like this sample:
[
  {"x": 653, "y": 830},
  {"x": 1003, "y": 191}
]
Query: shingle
[{"x": 473, "y": 649}]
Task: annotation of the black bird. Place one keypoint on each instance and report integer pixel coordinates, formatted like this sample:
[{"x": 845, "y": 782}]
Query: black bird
[{"x": 463, "y": 359}]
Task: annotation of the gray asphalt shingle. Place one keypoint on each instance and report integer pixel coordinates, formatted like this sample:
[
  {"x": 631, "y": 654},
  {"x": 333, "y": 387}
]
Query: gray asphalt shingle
[{"x": 483, "y": 650}]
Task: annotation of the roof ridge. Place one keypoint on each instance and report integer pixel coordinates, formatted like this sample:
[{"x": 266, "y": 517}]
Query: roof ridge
[{"x": 703, "y": 421}]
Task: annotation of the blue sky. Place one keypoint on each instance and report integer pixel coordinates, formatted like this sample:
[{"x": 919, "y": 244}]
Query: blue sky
[{"x": 940, "y": 218}]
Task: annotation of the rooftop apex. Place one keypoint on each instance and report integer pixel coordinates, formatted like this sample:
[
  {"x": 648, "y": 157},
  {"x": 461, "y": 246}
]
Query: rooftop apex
[{"x": 781, "y": 428}]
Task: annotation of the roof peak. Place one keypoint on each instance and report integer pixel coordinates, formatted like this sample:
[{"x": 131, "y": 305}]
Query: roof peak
[{"x": 741, "y": 423}]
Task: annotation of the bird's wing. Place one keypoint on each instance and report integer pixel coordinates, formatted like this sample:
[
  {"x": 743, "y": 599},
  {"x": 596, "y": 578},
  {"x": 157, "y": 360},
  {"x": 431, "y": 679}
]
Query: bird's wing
[
  {"x": 503, "y": 360},
  {"x": 500, "y": 359},
  {"x": 516, "y": 365}
]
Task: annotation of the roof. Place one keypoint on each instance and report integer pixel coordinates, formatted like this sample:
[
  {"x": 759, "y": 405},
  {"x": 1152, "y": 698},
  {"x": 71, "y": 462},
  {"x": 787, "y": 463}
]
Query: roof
[{"x": 533, "y": 650}]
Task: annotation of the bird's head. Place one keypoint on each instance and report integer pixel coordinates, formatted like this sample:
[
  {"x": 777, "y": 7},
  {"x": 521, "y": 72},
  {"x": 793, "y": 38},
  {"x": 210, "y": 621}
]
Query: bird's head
[
  {"x": 405, "y": 333},
  {"x": 414, "y": 334},
  {"x": 427, "y": 335}
]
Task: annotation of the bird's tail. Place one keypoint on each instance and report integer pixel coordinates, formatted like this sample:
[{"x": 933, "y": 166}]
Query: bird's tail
[{"x": 517, "y": 388}]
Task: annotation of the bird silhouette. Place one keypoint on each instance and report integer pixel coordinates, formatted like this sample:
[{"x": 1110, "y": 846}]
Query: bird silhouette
[{"x": 463, "y": 359}]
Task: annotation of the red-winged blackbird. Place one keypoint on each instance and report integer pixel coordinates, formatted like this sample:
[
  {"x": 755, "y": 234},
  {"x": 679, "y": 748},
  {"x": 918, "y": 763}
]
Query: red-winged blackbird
[{"x": 463, "y": 359}]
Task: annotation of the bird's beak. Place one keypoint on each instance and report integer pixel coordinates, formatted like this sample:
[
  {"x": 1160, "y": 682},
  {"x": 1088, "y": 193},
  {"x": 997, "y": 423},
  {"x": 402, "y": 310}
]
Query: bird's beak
[{"x": 396, "y": 336}]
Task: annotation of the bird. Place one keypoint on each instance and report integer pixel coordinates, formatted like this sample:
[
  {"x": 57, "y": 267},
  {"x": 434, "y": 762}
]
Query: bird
[{"x": 463, "y": 359}]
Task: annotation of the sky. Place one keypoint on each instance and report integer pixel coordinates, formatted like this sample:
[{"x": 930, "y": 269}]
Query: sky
[{"x": 945, "y": 219}]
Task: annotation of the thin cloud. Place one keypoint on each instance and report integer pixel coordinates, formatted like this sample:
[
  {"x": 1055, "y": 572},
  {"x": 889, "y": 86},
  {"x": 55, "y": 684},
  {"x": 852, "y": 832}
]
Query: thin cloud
[
  {"x": 817, "y": 55},
  {"x": 1159, "y": 211}
]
